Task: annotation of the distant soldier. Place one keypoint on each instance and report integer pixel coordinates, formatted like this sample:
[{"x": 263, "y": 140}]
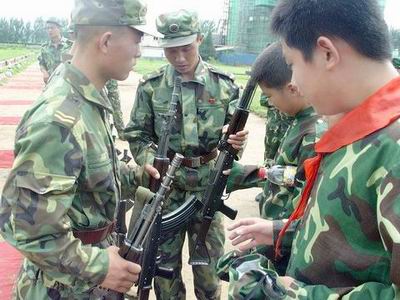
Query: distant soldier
[
  {"x": 58, "y": 204},
  {"x": 206, "y": 103},
  {"x": 54, "y": 51},
  {"x": 396, "y": 64}
]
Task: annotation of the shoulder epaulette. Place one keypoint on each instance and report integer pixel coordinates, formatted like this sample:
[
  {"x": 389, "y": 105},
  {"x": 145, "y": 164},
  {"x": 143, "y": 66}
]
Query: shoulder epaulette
[
  {"x": 68, "y": 112},
  {"x": 153, "y": 75},
  {"x": 220, "y": 72}
]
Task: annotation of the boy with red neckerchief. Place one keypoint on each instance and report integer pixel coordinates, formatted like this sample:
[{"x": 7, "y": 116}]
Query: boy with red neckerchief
[{"x": 346, "y": 240}]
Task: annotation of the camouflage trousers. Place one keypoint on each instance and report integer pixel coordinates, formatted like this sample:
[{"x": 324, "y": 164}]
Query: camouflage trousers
[
  {"x": 207, "y": 285},
  {"x": 114, "y": 97}
]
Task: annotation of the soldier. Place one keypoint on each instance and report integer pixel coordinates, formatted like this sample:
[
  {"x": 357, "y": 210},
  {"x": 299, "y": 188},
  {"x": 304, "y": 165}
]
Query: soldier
[
  {"x": 207, "y": 100},
  {"x": 58, "y": 204},
  {"x": 52, "y": 53},
  {"x": 347, "y": 241}
]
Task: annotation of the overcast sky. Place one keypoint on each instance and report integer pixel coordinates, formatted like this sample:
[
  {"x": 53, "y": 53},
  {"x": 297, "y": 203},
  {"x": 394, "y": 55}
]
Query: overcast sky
[{"x": 207, "y": 9}]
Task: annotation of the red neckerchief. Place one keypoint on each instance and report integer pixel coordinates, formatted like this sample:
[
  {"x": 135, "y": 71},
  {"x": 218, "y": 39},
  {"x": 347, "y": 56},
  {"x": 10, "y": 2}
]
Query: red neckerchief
[{"x": 376, "y": 112}]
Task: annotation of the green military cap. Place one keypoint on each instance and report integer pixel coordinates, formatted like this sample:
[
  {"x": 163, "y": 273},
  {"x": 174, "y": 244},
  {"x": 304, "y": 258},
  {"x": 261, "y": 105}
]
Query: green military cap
[
  {"x": 396, "y": 63},
  {"x": 53, "y": 20},
  {"x": 111, "y": 13},
  {"x": 179, "y": 28}
]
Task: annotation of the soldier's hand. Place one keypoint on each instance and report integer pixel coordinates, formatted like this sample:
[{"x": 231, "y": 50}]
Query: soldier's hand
[
  {"x": 152, "y": 171},
  {"x": 238, "y": 140},
  {"x": 254, "y": 231},
  {"x": 122, "y": 274},
  {"x": 286, "y": 281}
]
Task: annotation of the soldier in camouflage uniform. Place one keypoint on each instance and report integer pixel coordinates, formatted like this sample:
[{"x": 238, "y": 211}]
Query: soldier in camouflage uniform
[
  {"x": 396, "y": 64},
  {"x": 58, "y": 204},
  {"x": 347, "y": 241},
  {"x": 206, "y": 103},
  {"x": 55, "y": 51}
]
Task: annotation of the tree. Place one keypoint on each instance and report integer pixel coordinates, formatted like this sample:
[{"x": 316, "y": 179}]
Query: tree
[
  {"x": 395, "y": 38},
  {"x": 207, "y": 49}
]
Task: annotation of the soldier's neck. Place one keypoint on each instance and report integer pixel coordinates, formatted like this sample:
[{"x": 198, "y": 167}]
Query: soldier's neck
[{"x": 56, "y": 41}]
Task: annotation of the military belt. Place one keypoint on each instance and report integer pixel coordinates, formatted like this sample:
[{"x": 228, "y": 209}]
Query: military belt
[
  {"x": 94, "y": 236},
  {"x": 197, "y": 161}
]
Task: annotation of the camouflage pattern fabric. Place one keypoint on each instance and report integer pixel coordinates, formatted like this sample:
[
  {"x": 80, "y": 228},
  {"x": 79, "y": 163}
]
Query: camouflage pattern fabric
[
  {"x": 114, "y": 97},
  {"x": 297, "y": 146},
  {"x": 66, "y": 176},
  {"x": 51, "y": 56},
  {"x": 396, "y": 63},
  {"x": 249, "y": 276},
  {"x": 205, "y": 106},
  {"x": 276, "y": 126},
  {"x": 347, "y": 244}
]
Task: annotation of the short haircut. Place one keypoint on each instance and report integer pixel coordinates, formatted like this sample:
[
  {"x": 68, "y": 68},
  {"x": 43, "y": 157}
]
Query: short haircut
[
  {"x": 359, "y": 23},
  {"x": 271, "y": 69}
]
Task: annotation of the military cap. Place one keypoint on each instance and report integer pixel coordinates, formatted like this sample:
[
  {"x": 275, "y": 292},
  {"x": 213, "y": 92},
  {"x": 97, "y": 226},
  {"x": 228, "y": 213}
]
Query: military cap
[
  {"x": 111, "y": 13},
  {"x": 53, "y": 20},
  {"x": 179, "y": 28},
  {"x": 396, "y": 63}
]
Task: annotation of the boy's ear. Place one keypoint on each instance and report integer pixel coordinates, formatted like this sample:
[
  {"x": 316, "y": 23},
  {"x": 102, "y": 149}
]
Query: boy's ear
[
  {"x": 103, "y": 42},
  {"x": 328, "y": 52},
  {"x": 293, "y": 89}
]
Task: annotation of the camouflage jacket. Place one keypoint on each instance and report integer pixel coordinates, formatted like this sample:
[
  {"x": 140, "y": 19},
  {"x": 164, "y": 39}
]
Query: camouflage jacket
[
  {"x": 205, "y": 106},
  {"x": 276, "y": 125},
  {"x": 51, "y": 57},
  {"x": 347, "y": 245},
  {"x": 297, "y": 145},
  {"x": 66, "y": 176}
]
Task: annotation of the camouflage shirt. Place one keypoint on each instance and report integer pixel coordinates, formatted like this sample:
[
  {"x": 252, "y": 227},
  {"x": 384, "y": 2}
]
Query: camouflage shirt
[
  {"x": 297, "y": 145},
  {"x": 348, "y": 242},
  {"x": 51, "y": 57},
  {"x": 66, "y": 176},
  {"x": 206, "y": 104}
]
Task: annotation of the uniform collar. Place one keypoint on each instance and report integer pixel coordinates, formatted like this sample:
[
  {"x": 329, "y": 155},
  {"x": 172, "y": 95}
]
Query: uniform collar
[
  {"x": 200, "y": 74},
  {"x": 63, "y": 43},
  {"x": 87, "y": 90},
  {"x": 305, "y": 113}
]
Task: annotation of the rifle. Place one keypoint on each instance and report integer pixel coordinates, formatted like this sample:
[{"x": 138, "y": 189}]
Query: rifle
[
  {"x": 212, "y": 198},
  {"x": 132, "y": 248},
  {"x": 172, "y": 221}
]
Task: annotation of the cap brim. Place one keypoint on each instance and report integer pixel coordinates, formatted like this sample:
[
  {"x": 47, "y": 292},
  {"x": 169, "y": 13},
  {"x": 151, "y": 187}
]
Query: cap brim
[
  {"x": 148, "y": 30},
  {"x": 177, "y": 42}
]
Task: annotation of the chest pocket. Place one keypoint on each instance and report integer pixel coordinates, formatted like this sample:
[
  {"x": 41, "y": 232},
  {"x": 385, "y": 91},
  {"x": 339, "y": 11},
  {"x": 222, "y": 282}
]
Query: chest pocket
[
  {"x": 99, "y": 174},
  {"x": 211, "y": 119}
]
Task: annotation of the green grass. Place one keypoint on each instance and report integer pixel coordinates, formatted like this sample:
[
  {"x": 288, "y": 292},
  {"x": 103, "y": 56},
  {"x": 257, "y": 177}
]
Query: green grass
[
  {"x": 145, "y": 66},
  {"x": 11, "y": 52}
]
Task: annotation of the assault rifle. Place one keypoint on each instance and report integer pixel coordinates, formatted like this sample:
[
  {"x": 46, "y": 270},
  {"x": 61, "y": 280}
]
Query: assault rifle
[
  {"x": 132, "y": 248},
  {"x": 212, "y": 198}
]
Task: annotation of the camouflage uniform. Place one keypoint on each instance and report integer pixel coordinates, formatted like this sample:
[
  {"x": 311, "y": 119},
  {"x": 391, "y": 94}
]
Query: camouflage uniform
[
  {"x": 51, "y": 56},
  {"x": 114, "y": 97},
  {"x": 66, "y": 179},
  {"x": 276, "y": 126},
  {"x": 206, "y": 104},
  {"x": 347, "y": 243}
]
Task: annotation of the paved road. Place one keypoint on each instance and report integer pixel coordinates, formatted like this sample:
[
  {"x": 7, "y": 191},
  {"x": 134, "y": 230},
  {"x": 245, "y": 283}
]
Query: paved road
[{"x": 26, "y": 86}]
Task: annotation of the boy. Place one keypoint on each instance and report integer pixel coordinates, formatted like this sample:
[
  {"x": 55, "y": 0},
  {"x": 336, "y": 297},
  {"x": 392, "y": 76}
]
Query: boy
[
  {"x": 273, "y": 76},
  {"x": 347, "y": 242}
]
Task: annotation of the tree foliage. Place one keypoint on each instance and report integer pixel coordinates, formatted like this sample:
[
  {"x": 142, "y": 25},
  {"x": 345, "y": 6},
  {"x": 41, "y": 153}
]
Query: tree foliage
[
  {"x": 207, "y": 49},
  {"x": 395, "y": 37},
  {"x": 18, "y": 31}
]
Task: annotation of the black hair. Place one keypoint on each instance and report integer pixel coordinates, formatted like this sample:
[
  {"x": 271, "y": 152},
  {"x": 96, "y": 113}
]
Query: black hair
[
  {"x": 271, "y": 69},
  {"x": 359, "y": 23}
]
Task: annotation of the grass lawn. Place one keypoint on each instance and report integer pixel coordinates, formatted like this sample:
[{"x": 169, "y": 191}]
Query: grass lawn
[
  {"x": 145, "y": 66},
  {"x": 7, "y": 52}
]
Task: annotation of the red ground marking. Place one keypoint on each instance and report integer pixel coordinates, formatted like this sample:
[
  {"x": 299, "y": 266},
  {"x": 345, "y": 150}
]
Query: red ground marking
[
  {"x": 10, "y": 264},
  {"x": 6, "y": 160},
  {"x": 16, "y": 102},
  {"x": 10, "y": 120}
]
